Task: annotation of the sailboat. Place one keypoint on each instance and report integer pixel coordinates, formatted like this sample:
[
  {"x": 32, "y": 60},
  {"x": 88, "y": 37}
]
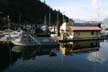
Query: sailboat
[
  {"x": 32, "y": 38},
  {"x": 29, "y": 39},
  {"x": 4, "y": 34}
]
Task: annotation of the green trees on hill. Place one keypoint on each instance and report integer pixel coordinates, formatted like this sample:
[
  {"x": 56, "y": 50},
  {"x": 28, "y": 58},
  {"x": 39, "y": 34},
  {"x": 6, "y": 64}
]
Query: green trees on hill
[{"x": 29, "y": 11}]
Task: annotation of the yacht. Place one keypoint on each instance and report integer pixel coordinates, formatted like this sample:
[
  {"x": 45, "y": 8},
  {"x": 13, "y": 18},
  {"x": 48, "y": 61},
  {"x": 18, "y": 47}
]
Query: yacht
[{"x": 32, "y": 39}]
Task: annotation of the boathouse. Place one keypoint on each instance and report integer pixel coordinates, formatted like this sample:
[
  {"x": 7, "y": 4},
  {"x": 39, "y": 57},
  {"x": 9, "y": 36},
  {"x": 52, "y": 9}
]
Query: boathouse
[{"x": 80, "y": 32}]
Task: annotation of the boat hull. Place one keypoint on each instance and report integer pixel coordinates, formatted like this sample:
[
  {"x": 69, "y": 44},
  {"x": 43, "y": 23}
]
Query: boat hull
[
  {"x": 20, "y": 43},
  {"x": 22, "y": 39},
  {"x": 26, "y": 41}
]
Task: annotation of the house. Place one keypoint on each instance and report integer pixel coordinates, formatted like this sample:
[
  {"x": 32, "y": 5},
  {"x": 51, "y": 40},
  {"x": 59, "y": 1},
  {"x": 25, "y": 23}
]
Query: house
[
  {"x": 86, "y": 32},
  {"x": 79, "y": 32}
]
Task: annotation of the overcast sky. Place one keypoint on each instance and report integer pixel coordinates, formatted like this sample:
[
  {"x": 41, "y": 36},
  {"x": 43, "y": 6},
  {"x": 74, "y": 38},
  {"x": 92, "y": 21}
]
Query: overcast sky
[{"x": 81, "y": 9}]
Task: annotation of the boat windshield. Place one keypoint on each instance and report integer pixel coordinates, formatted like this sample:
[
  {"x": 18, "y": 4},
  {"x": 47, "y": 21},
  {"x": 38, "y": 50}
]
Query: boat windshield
[{"x": 43, "y": 35}]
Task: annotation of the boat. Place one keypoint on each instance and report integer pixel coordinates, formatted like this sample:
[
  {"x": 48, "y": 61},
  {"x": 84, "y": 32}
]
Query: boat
[
  {"x": 36, "y": 35},
  {"x": 31, "y": 39},
  {"x": 4, "y": 35}
]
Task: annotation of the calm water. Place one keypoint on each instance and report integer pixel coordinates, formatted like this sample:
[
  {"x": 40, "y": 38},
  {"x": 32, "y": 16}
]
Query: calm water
[{"x": 84, "y": 56}]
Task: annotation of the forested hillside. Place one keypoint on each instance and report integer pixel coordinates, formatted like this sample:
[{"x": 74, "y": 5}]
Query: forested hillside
[{"x": 29, "y": 11}]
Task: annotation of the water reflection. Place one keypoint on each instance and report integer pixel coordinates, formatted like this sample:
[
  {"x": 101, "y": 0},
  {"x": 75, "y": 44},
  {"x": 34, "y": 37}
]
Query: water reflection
[
  {"x": 79, "y": 56},
  {"x": 31, "y": 52},
  {"x": 9, "y": 55},
  {"x": 6, "y": 57},
  {"x": 101, "y": 55},
  {"x": 96, "y": 57},
  {"x": 79, "y": 47}
]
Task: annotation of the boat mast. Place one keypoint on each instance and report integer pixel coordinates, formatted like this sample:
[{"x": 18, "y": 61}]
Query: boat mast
[
  {"x": 20, "y": 21},
  {"x": 49, "y": 19},
  {"x": 45, "y": 22},
  {"x": 8, "y": 23},
  {"x": 45, "y": 19},
  {"x": 63, "y": 16},
  {"x": 58, "y": 24}
]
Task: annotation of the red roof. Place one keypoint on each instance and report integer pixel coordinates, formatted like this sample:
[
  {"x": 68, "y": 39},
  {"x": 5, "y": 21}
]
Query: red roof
[{"x": 85, "y": 28}]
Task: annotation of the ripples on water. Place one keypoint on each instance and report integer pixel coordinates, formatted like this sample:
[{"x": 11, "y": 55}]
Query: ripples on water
[{"x": 81, "y": 56}]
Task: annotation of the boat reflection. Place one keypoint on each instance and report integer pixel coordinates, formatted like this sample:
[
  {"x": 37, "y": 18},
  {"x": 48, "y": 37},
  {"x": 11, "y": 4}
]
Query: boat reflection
[
  {"x": 9, "y": 55},
  {"x": 31, "y": 52},
  {"x": 7, "y": 58},
  {"x": 79, "y": 47}
]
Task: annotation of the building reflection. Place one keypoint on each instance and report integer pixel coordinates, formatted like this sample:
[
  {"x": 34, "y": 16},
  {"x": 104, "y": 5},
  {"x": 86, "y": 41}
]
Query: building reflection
[
  {"x": 80, "y": 47},
  {"x": 31, "y": 52}
]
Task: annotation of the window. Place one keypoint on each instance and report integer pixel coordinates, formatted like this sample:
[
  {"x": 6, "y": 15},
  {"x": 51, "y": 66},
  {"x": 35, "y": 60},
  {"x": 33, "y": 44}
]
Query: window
[
  {"x": 97, "y": 33},
  {"x": 92, "y": 33},
  {"x": 78, "y": 33}
]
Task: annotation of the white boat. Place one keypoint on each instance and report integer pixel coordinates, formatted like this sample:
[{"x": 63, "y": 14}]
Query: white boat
[
  {"x": 27, "y": 39},
  {"x": 4, "y": 35}
]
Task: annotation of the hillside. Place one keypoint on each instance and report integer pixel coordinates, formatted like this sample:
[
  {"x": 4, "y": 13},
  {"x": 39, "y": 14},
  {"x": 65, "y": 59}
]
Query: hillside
[
  {"x": 105, "y": 22},
  {"x": 28, "y": 11}
]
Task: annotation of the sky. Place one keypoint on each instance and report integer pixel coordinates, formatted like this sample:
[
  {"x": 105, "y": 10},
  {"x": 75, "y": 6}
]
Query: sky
[{"x": 81, "y": 9}]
